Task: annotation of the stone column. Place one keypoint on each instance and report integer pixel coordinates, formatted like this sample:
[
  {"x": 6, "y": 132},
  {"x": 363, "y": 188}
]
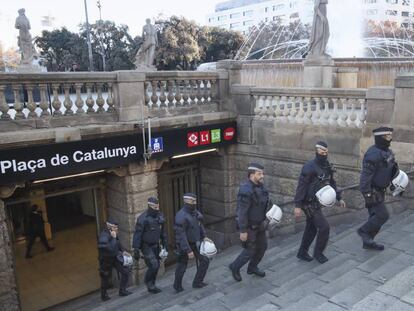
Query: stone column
[
  {"x": 9, "y": 299},
  {"x": 218, "y": 194},
  {"x": 127, "y": 194},
  {"x": 229, "y": 75},
  {"x": 130, "y": 92}
]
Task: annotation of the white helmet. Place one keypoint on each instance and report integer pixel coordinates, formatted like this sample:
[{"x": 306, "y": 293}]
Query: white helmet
[
  {"x": 128, "y": 261},
  {"x": 207, "y": 248},
  {"x": 326, "y": 196},
  {"x": 400, "y": 183},
  {"x": 163, "y": 253},
  {"x": 274, "y": 215}
]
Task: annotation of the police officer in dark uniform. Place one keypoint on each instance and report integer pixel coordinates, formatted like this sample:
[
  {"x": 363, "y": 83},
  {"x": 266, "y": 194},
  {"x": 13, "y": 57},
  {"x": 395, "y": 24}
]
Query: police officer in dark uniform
[
  {"x": 36, "y": 229},
  {"x": 315, "y": 174},
  {"x": 189, "y": 233},
  {"x": 378, "y": 169},
  {"x": 252, "y": 204},
  {"x": 110, "y": 253},
  {"x": 149, "y": 232}
]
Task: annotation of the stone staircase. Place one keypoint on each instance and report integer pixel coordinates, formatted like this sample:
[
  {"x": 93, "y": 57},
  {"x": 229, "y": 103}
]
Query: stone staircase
[{"x": 353, "y": 278}]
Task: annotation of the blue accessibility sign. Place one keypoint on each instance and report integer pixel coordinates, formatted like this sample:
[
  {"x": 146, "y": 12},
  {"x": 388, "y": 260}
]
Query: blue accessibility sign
[{"x": 157, "y": 145}]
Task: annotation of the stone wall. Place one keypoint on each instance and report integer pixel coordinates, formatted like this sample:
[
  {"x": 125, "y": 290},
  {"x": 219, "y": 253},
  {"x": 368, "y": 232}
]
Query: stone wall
[{"x": 8, "y": 289}]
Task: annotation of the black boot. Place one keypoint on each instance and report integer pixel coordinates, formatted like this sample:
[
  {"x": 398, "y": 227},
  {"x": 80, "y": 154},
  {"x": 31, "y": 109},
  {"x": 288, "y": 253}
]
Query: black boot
[
  {"x": 124, "y": 292},
  {"x": 199, "y": 285},
  {"x": 366, "y": 238},
  {"x": 256, "y": 271},
  {"x": 321, "y": 258},
  {"x": 236, "y": 274},
  {"x": 304, "y": 255},
  {"x": 104, "y": 295},
  {"x": 374, "y": 246},
  {"x": 152, "y": 288},
  {"x": 178, "y": 288}
]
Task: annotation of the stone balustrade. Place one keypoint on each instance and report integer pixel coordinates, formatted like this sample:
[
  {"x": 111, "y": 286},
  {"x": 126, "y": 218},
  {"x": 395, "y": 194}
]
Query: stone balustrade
[
  {"x": 46, "y": 95},
  {"x": 178, "y": 89},
  {"x": 324, "y": 107}
]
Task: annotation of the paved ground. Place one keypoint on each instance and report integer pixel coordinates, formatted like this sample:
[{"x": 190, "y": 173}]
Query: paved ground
[{"x": 353, "y": 279}]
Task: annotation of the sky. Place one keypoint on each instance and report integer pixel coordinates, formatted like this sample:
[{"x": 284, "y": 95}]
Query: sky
[{"x": 70, "y": 13}]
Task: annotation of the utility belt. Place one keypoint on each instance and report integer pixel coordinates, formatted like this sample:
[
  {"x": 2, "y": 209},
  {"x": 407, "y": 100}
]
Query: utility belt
[
  {"x": 378, "y": 196},
  {"x": 261, "y": 226},
  {"x": 310, "y": 207}
]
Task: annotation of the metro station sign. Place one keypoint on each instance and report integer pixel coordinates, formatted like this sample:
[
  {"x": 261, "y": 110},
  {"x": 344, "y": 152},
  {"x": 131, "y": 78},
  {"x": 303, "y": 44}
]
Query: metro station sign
[{"x": 54, "y": 160}]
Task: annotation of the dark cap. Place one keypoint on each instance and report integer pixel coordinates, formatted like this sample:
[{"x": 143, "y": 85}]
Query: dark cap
[
  {"x": 322, "y": 145},
  {"x": 383, "y": 130},
  {"x": 111, "y": 222},
  {"x": 255, "y": 167},
  {"x": 152, "y": 201}
]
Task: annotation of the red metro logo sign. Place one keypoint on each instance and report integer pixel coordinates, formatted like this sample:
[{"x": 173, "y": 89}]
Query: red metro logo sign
[{"x": 210, "y": 137}]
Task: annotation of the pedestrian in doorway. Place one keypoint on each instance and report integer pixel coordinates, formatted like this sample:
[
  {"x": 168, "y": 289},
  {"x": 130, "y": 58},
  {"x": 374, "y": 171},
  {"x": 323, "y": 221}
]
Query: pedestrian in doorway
[
  {"x": 36, "y": 228},
  {"x": 111, "y": 255}
]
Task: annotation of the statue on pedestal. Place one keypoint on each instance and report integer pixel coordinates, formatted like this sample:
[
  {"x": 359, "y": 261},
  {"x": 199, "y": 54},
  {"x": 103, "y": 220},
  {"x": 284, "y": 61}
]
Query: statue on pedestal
[
  {"x": 25, "y": 39},
  {"x": 145, "y": 57},
  {"x": 320, "y": 31}
]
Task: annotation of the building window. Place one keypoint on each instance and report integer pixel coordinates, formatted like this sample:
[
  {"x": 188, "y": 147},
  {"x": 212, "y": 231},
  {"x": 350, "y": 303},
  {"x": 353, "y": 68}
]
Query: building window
[
  {"x": 248, "y": 23},
  {"x": 235, "y": 15},
  {"x": 391, "y": 12},
  {"x": 278, "y": 7},
  {"x": 248, "y": 13},
  {"x": 370, "y": 1},
  {"x": 266, "y": 10},
  {"x": 222, "y": 18},
  {"x": 406, "y": 14},
  {"x": 235, "y": 25},
  {"x": 392, "y": 1}
]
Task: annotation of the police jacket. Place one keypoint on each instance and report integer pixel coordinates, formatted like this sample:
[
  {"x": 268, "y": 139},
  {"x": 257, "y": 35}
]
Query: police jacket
[
  {"x": 315, "y": 175},
  {"x": 188, "y": 228},
  {"x": 35, "y": 224},
  {"x": 108, "y": 246},
  {"x": 252, "y": 204},
  {"x": 150, "y": 229},
  {"x": 378, "y": 169}
]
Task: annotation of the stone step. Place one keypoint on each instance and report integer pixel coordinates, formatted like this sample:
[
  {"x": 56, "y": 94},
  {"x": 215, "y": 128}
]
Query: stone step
[
  {"x": 399, "y": 285},
  {"x": 306, "y": 303},
  {"x": 339, "y": 270},
  {"x": 257, "y": 303},
  {"x": 341, "y": 283},
  {"x": 374, "y": 302},
  {"x": 391, "y": 268}
]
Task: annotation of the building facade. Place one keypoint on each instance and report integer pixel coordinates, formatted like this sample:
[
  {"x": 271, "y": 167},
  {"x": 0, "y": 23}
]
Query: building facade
[{"x": 240, "y": 15}]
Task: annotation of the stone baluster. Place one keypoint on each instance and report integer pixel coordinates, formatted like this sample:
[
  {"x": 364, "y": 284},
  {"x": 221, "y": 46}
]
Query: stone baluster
[
  {"x": 206, "y": 91},
  {"x": 308, "y": 114},
  {"x": 259, "y": 109},
  {"x": 44, "y": 104},
  {"x": 285, "y": 112},
  {"x": 154, "y": 96},
  {"x": 192, "y": 92},
  {"x": 79, "y": 101},
  {"x": 266, "y": 105},
  {"x": 4, "y": 106},
  {"x": 67, "y": 102},
  {"x": 256, "y": 109},
  {"x": 352, "y": 115},
  {"x": 213, "y": 91},
  {"x": 186, "y": 86},
  {"x": 344, "y": 113},
  {"x": 333, "y": 118},
  {"x": 100, "y": 102},
  {"x": 170, "y": 93},
  {"x": 301, "y": 112},
  {"x": 270, "y": 108},
  {"x": 199, "y": 92},
  {"x": 326, "y": 112},
  {"x": 362, "y": 113},
  {"x": 293, "y": 112},
  {"x": 317, "y": 113},
  {"x": 110, "y": 99},
  {"x": 56, "y": 103},
  {"x": 90, "y": 102},
  {"x": 31, "y": 105},
  {"x": 147, "y": 99},
  {"x": 278, "y": 112},
  {"x": 163, "y": 97},
  {"x": 18, "y": 105}
]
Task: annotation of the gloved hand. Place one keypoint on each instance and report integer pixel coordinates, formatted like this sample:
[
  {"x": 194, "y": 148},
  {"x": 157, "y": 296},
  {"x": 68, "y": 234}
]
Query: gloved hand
[{"x": 137, "y": 255}]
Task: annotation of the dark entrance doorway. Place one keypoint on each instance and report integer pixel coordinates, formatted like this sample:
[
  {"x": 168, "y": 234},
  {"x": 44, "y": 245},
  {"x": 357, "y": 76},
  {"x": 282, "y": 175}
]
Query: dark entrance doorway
[{"x": 176, "y": 178}]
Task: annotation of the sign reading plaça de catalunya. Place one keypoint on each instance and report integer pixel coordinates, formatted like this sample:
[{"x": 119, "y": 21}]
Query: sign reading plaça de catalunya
[{"x": 54, "y": 160}]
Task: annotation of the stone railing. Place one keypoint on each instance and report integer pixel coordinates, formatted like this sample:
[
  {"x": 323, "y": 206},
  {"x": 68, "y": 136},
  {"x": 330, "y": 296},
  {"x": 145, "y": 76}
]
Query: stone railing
[
  {"x": 46, "y": 95},
  {"x": 177, "y": 89},
  {"x": 325, "y": 107}
]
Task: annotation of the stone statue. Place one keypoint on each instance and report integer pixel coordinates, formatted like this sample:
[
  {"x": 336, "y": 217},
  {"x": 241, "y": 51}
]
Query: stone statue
[
  {"x": 25, "y": 39},
  {"x": 145, "y": 56},
  {"x": 320, "y": 31}
]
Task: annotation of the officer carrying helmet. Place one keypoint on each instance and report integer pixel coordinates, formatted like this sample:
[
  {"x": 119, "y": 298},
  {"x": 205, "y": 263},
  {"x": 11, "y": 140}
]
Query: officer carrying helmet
[
  {"x": 252, "y": 204},
  {"x": 149, "y": 233},
  {"x": 316, "y": 181},
  {"x": 189, "y": 233},
  {"x": 379, "y": 168},
  {"x": 111, "y": 254}
]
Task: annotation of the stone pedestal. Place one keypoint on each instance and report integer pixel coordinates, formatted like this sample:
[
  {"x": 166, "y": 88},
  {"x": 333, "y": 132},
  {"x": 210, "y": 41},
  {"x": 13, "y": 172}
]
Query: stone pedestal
[{"x": 318, "y": 72}]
